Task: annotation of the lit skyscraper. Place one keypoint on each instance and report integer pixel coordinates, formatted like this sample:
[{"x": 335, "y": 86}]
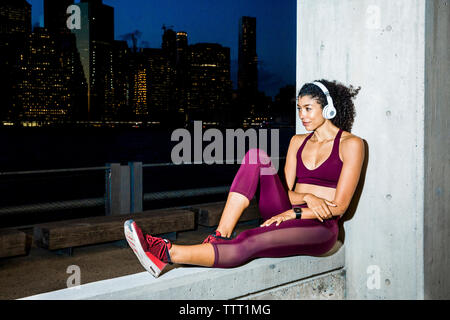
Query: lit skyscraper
[
  {"x": 159, "y": 81},
  {"x": 248, "y": 63},
  {"x": 182, "y": 73},
  {"x": 140, "y": 92},
  {"x": 169, "y": 45},
  {"x": 74, "y": 97},
  {"x": 15, "y": 25},
  {"x": 247, "y": 57},
  {"x": 151, "y": 84},
  {"x": 95, "y": 45},
  {"x": 15, "y": 17},
  {"x": 119, "y": 106},
  {"x": 42, "y": 89},
  {"x": 210, "y": 84}
]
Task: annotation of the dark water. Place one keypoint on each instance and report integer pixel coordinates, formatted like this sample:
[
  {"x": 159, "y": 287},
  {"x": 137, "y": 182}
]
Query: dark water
[{"x": 43, "y": 149}]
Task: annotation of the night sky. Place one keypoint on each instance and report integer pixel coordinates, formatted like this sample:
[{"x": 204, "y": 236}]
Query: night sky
[{"x": 213, "y": 21}]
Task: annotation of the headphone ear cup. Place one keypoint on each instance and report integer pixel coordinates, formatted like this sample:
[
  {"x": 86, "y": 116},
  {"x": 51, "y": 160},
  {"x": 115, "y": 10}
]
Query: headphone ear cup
[{"x": 329, "y": 112}]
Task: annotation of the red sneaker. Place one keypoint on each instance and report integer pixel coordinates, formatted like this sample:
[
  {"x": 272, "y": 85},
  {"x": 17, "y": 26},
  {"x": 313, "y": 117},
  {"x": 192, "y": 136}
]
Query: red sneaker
[
  {"x": 215, "y": 237},
  {"x": 152, "y": 252}
]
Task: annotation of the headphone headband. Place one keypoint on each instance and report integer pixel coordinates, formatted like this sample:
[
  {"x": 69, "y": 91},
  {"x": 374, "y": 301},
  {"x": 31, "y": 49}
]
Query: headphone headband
[
  {"x": 329, "y": 111},
  {"x": 324, "y": 90}
]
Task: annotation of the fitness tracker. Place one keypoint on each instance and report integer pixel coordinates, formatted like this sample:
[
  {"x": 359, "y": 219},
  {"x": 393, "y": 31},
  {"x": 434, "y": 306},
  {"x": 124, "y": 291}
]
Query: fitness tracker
[{"x": 298, "y": 212}]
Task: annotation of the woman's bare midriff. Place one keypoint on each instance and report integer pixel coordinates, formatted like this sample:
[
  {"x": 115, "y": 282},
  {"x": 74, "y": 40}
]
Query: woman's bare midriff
[{"x": 318, "y": 191}]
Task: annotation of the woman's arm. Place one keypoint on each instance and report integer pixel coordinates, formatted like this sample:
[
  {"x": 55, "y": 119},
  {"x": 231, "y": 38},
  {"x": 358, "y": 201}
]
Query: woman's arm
[
  {"x": 296, "y": 197},
  {"x": 290, "y": 167},
  {"x": 353, "y": 158}
]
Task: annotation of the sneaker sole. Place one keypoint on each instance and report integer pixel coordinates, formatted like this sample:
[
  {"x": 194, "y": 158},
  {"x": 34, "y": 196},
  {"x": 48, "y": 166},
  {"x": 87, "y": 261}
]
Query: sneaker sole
[{"x": 147, "y": 260}]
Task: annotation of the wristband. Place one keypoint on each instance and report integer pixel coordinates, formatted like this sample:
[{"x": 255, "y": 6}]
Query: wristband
[{"x": 298, "y": 212}]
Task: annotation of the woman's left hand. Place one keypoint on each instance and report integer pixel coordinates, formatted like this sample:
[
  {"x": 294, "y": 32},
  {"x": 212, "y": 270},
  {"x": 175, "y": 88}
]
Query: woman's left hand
[{"x": 284, "y": 216}]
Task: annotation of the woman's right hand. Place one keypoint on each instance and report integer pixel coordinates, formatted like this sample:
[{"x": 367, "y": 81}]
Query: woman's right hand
[{"x": 319, "y": 206}]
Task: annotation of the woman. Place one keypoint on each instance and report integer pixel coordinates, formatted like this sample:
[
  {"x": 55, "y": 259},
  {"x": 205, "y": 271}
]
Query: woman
[{"x": 300, "y": 218}]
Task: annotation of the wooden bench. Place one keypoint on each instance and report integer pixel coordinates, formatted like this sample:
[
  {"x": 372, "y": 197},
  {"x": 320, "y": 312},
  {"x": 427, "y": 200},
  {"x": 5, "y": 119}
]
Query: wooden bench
[
  {"x": 209, "y": 214},
  {"x": 12, "y": 243},
  {"x": 93, "y": 230}
]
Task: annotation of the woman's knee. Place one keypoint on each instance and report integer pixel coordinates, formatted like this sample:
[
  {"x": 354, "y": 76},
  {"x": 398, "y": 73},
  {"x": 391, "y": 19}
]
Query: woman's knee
[{"x": 257, "y": 156}]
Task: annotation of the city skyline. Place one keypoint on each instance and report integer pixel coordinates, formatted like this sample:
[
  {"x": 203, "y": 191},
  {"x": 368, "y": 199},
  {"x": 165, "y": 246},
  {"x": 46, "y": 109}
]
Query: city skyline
[
  {"x": 275, "y": 30},
  {"x": 76, "y": 69}
]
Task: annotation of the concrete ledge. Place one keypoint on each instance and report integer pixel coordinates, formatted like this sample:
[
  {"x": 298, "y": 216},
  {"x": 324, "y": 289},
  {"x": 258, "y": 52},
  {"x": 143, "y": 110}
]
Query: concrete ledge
[{"x": 196, "y": 283}]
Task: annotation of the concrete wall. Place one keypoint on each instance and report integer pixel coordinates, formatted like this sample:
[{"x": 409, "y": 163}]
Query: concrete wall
[
  {"x": 328, "y": 286},
  {"x": 437, "y": 151},
  {"x": 380, "y": 46}
]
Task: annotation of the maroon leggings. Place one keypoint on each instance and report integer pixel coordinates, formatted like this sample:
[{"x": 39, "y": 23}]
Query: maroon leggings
[{"x": 292, "y": 237}]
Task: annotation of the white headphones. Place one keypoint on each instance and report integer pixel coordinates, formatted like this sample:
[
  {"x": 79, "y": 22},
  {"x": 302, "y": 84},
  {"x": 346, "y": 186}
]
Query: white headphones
[{"x": 329, "y": 111}]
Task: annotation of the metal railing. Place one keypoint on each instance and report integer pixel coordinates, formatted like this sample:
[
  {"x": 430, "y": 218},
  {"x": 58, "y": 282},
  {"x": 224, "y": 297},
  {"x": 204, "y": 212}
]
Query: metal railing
[
  {"x": 101, "y": 201},
  {"x": 15, "y": 173}
]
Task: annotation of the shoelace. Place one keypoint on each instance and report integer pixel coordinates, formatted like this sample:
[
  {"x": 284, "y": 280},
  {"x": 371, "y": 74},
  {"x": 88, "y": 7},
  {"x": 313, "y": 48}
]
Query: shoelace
[
  {"x": 157, "y": 246},
  {"x": 209, "y": 238},
  {"x": 216, "y": 236}
]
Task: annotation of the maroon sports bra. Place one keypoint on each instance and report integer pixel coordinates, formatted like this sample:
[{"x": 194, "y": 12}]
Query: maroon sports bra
[{"x": 325, "y": 175}]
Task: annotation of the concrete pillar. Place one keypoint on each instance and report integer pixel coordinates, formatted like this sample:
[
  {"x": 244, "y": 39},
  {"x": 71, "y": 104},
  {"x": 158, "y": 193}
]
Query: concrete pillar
[
  {"x": 396, "y": 239},
  {"x": 437, "y": 151},
  {"x": 124, "y": 188}
]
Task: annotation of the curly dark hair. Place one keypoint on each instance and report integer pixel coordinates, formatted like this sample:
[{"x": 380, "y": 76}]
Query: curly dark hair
[{"x": 342, "y": 99}]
